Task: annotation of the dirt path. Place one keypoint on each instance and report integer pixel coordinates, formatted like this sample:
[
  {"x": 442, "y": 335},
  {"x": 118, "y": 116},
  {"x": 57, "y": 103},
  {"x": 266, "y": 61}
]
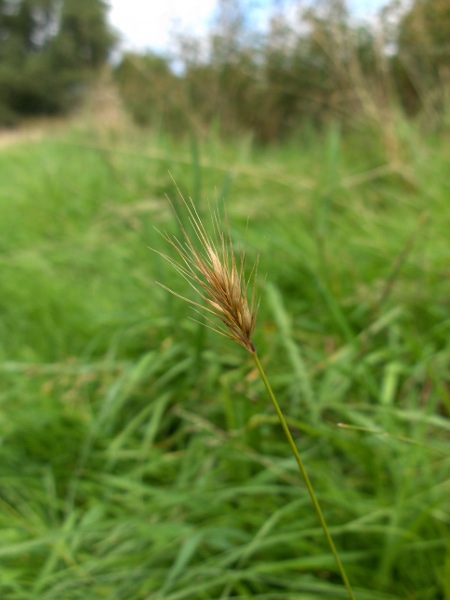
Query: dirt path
[
  {"x": 102, "y": 107},
  {"x": 22, "y": 134}
]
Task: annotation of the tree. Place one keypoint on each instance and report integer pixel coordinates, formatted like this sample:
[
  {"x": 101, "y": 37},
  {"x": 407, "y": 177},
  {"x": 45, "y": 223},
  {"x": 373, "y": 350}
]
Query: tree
[
  {"x": 423, "y": 56},
  {"x": 48, "y": 51},
  {"x": 150, "y": 90}
]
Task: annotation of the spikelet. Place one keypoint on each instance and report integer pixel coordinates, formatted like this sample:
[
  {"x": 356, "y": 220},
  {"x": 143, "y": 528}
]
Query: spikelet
[{"x": 217, "y": 276}]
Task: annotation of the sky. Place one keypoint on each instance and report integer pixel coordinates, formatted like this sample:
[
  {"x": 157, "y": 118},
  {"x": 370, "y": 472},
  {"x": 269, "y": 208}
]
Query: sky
[{"x": 148, "y": 24}]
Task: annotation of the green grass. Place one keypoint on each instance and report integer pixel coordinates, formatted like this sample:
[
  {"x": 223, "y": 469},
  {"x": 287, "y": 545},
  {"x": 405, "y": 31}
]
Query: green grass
[{"x": 140, "y": 456}]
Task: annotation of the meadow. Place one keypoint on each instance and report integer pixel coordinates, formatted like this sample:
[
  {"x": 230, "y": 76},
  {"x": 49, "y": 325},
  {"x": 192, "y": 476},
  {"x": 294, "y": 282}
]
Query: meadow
[{"x": 140, "y": 457}]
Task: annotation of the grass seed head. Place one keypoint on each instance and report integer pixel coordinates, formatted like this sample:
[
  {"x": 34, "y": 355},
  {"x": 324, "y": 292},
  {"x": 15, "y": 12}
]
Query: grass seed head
[{"x": 217, "y": 275}]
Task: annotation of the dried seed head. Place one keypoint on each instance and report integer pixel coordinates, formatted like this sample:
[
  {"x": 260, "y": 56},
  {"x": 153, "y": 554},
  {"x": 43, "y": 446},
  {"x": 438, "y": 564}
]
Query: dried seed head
[{"x": 215, "y": 274}]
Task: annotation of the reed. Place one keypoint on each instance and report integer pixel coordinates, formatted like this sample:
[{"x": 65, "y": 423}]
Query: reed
[{"x": 211, "y": 267}]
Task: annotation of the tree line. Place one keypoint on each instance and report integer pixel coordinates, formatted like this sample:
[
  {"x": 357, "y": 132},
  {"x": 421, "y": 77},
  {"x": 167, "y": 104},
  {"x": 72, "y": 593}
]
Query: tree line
[
  {"x": 49, "y": 52},
  {"x": 311, "y": 65}
]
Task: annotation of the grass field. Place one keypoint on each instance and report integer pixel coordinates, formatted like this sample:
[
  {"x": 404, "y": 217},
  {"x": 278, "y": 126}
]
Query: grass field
[{"x": 140, "y": 456}]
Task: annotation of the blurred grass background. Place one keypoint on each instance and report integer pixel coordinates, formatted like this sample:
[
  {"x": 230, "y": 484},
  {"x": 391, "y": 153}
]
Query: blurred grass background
[{"x": 140, "y": 456}]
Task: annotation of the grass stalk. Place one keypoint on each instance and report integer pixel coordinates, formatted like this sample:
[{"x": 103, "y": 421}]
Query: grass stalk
[
  {"x": 305, "y": 476},
  {"x": 210, "y": 265}
]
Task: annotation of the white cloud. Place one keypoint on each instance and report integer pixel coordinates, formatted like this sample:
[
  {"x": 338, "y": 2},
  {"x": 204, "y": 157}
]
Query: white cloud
[
  {"x": 366, "y": 9},
  {"x": 150, "y": 23}
]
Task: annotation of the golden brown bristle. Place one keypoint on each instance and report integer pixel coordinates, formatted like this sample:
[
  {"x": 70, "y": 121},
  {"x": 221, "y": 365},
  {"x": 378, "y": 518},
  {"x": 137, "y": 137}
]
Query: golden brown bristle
[{"x": 216, "y": 276}]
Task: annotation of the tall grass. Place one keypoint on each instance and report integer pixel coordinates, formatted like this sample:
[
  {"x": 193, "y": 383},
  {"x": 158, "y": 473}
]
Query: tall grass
[{"x": 140, "y": 458}]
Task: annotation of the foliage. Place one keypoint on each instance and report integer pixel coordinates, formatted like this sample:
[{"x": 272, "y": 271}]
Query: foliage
[
  {"x": 140, "y": 456},
  {"x": 151, "y": 91},
  {"x": 423, "y": 58},
  {"x": 48, "y": 50},
  {"x": 311, "y": 66}
]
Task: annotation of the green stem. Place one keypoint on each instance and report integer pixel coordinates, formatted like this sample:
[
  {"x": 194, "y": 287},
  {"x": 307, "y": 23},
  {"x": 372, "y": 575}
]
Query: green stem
[{"x": 305, "y": 477}]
